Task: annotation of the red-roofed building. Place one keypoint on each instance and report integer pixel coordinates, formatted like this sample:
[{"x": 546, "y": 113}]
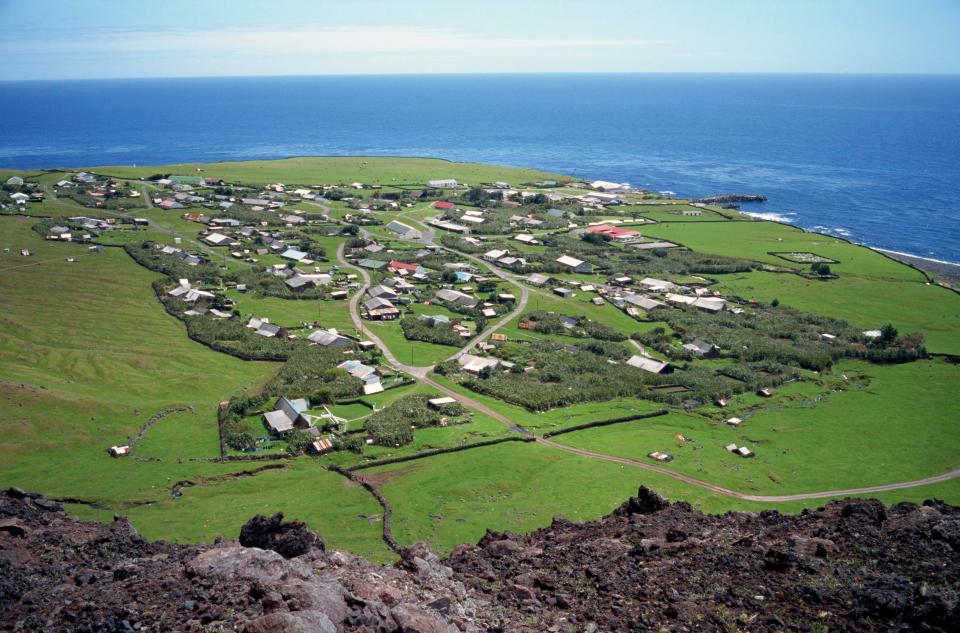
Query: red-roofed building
[
  {"x": 396, "y": 266},
  {"x": 443, "y": 205},
  {"x": 615, "y": 232}
]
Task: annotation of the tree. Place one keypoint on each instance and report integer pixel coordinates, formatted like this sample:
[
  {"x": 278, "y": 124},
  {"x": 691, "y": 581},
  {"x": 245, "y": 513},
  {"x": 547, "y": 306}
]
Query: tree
[
  {"x": 297, "y": 442},
  {"x": 775, "y": 303},
  {"x": 888, "y": 333}
]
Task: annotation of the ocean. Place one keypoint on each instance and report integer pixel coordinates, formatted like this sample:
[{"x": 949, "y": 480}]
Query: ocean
[{"x": 874, "y": 159}]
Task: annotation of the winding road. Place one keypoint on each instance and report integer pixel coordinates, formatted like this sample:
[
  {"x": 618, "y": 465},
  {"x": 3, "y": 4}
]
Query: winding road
[{"x": 422, "y": 374}]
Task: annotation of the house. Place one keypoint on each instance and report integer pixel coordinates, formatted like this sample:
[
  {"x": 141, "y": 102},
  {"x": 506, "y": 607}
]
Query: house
[
  {"x": 731, "y": 448},
  {"x": 287, "y": 414},
  {"x": 597, "y": 301},
  {"x": 15, "y": 181},
  {"x": 475, "y": 364},
  {"x": 373, "y": 264},
  {"x": 512, "y": 262},
  {"x": 119, "y": 451},
  {"x": 699, "y": 347},
  {"x": 328, "y": 338},
  {"x": 293, "y": 219},
  {"x": 505, "y": 297},
  {"x": 444, "y": 183},
  {"x": 85, "y": 177},
  {"x": 649, "y": 364},
  {"x": 615, "y": 233},
  {"x": 383, "y": 292},
  {"x": 495, "y": 254},
  {"x": 564, "y": 292},
  {"x": 405, "y": 231},
  {"x": 602, "y": 198},
  {"x": 439, "y": 403},
  {"x": 765, "y": 392},
  {"x": 642, "y": 302},
  {"x": 472, "y": 219},
  {"x": 219, "y": 239},
  {"x": 660, "y": 456},
  {"x": 405, "y": 268},
  {"x": 734, "y": 421},
  {"x": 526, "y": 238},
  {"x": 536, "y": 279},
  {"x": 373, "y": 248},
  {"x": 379, "y": 308},
  {"x": 263, "y": 327},
  {"x": 360, "y": 371},
  {"x": 449, "y": 226},
  {"x": 606, "y": 186},
  {"x": 710, "y": 304},
  {"x": 657, "y": 285},
  {"x": 574, "y": 264},
  {"x": 456, "y": 297},
  {"x": 743, "y": 451},
  {"x": 303, "y": 280},
  {"x": 19, "y": 198},
  {"x": 294, "y": 254}
]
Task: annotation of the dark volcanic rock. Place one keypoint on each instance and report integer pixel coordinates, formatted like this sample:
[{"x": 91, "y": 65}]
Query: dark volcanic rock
[
  {"x": 651, "y": 565},
  {"x": 289, "y": 539}
]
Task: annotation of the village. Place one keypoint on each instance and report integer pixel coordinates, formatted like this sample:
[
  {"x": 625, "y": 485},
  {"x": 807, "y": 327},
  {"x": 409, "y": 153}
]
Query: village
[{"x": 498, "y": 290}]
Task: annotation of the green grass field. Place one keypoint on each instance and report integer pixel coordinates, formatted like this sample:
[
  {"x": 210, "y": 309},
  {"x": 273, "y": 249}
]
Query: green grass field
[
  {"x": 861, "y": 437},
  {"x": 455, "y": 498},
  {"x": 87, "y": 355},
  {"x": 340, "y": 170},
  {"x": 872, "y": 289}
]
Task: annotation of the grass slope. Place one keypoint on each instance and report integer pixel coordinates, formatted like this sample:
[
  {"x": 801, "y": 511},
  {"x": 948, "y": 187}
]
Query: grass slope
[{"x": 340, "y": 170}]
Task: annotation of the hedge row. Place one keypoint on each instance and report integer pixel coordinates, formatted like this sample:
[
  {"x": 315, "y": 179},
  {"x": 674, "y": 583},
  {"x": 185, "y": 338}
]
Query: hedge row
[{"x": 591, "y": 425}]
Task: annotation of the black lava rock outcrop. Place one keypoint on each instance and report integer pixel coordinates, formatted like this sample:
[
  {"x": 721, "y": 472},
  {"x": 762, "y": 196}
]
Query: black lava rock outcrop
[
  {"x": 289, "y": 539},
  {"x": 651, "y": 565}
]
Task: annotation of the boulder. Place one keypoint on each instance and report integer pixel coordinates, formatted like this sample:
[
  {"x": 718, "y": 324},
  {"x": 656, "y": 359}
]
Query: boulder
[
  {"x": 285, "y": 622},
  {"x": 289, "y": 539},
  {"x": 248, "y": 564}
]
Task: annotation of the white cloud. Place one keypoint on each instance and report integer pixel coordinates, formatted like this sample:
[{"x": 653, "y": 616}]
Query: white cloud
[{"x": 309, "y": 40}]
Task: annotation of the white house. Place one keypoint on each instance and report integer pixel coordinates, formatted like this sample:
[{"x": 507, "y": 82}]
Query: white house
[{"x": 576, "y": 265}]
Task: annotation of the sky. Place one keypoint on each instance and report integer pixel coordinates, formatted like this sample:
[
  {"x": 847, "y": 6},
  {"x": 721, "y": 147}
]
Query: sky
[{"x": 80, "y": 39}]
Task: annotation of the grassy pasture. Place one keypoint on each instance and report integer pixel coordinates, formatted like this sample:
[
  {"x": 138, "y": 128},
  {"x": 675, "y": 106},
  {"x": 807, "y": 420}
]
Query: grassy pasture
[
  {"x": 340, "y": 170},
  {"x": 872, "y": 289},
  {"x": 455, "y": 498},
  {"x": 891, "y": 430}
]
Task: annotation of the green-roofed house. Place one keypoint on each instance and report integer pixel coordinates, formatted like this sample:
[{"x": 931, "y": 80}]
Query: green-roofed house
[{"x": 373, "y": 264}]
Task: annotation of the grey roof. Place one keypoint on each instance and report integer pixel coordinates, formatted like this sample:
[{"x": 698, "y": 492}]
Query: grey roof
[
  {"x": 382, "y": 291},
  {"x": 377, "y": 303},
  {"x": 328, "y": 339}
]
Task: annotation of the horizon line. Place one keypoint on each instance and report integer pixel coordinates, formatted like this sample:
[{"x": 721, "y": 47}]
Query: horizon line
[{"x": 501, "y": 74}]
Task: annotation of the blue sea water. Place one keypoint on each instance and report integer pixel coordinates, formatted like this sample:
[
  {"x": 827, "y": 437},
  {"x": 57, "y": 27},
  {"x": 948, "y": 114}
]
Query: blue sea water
[{"x": 875, "y": 159}]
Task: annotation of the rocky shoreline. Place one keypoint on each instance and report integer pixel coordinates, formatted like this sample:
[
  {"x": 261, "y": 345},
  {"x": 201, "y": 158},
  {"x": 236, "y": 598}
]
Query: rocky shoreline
[{"x": 651, "y": 565}]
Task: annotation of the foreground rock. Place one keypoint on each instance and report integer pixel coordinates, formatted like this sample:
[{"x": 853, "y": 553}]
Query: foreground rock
[{"x": 651, "y": 565}]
